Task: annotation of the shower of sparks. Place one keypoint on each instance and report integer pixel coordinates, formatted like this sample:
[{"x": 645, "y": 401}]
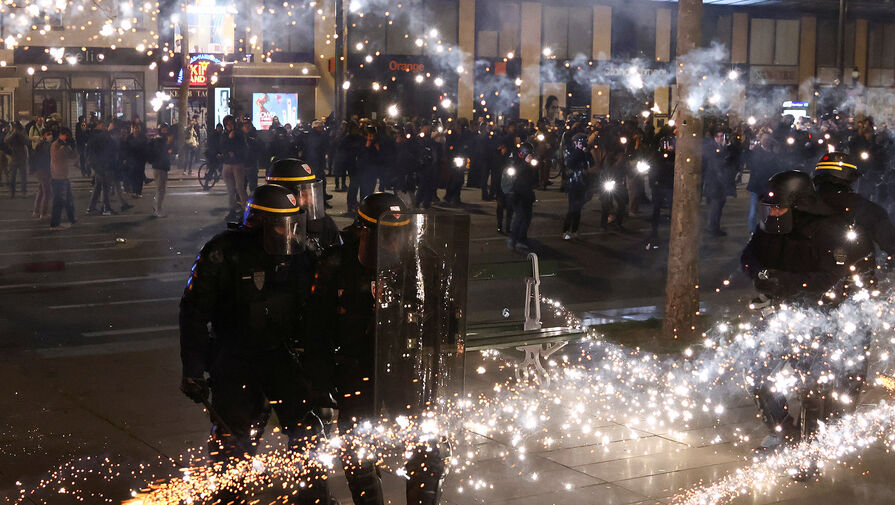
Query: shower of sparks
[{"x": 596, "y": 383}]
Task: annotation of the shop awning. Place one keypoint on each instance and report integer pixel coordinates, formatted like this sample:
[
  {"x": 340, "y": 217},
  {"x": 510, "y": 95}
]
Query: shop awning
[{"x": 275, "y": 71}]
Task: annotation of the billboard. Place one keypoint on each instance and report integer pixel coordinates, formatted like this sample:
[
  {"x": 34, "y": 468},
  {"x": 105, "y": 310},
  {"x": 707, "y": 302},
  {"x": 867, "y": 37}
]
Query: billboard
[
  {"x": 266, "y": 106},
  {"x": 221, "y": 104}
]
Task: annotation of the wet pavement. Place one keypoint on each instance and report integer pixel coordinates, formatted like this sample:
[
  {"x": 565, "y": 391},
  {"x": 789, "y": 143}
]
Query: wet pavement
[{"x": 91, "y": 368}]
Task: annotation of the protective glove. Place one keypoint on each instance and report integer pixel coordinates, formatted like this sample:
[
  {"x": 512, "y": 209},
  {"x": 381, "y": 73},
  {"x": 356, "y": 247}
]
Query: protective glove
[
  {"x": 775, "y": 283},
  {"x": 326, "y": 408},
  {"x": 195, "y": 388}
]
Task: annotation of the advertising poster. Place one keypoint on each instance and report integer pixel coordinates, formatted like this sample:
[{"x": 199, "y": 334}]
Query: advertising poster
[
  {"x": 267, "y": 106},
  {"x": 221, "y": 104}
]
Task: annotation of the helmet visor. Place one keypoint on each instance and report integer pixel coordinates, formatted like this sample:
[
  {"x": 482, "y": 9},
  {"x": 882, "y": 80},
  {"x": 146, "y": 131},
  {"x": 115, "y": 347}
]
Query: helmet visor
[
  {"x": 285, "y": 235},
  {"x": 774, "y": 219},
  {"x": 310, "y": 198}
]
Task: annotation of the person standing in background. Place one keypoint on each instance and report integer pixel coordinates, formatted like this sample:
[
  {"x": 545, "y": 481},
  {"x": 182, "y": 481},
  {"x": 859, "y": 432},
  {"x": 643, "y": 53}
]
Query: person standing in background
[
  {"x": 233, "y": 150},
  {"x": 163, "y": 150},
  {"x": 63, "y": 159},
  {"x": 40, "y": 166},
  {"x": 18, "y": 145}
]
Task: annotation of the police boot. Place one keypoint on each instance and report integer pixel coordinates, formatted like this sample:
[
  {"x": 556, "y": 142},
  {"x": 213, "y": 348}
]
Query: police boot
[
  {"x": 425, "y": 472},
  {"x": 364, "y": 482}
]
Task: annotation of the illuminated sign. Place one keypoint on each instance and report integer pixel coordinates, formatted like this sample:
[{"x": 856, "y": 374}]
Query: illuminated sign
[
  {"x": 406, "y": 67},
  {"x": 199, "y": 64}
]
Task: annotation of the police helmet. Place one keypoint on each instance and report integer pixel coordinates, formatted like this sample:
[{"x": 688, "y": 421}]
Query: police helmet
[
  {"x": 789, "y": 191},
  {"x": 274, "y": 209},
  {"x": 297, "y": 175},
  {"x": 385, "y": 211},
  {"x": 836, "y": 167},
  {"x": 525, "y": 150},
  {"x": 579, "y": 138}
]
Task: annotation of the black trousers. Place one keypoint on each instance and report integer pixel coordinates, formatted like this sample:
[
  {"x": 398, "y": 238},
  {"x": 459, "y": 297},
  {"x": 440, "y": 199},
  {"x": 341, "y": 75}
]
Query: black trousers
[
  {"x": 661, "y": 197},
  {"x": 244, "y": 388},
  {"x": 618, "y": 197},
  {"x": 425, "y": 467},
  {"x": 577, "y": 198},
  {"x": 504, "y": 209},
  {"x": 523, "y": 209}
]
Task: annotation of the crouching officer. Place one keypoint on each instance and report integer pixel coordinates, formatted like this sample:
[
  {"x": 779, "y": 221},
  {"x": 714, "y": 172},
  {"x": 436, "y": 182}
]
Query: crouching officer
[
  {"x": 295, "y": 174},
  {"x": 378, "y": 248},
  {"x": 802, "y": 251},
  {"x": 252, "y": 284}
]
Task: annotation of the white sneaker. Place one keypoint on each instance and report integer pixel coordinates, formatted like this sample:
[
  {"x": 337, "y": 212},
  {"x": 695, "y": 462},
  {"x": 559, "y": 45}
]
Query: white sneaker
[
  {"x": 566, "y": 236},
  {"x": 770, "y": 443}
]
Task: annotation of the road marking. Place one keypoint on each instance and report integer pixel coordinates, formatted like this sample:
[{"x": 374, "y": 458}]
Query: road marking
[
  {"x": 56, "y": 235},
  {"x": 107, "y": 348},
  {"x": 122, "y": 302},
  {"x": 129, "y": 331},
  {"x": 154, "y": 277},
  {"x": 125, "y": 260},
  {"x": 52, "y": 251}
]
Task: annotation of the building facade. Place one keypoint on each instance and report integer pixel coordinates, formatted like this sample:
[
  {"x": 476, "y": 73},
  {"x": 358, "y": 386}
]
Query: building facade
[{"x": 494, "y": 58}]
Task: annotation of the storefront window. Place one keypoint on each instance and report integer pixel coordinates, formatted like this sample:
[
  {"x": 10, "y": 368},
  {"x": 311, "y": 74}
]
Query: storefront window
[
  {"x": 89, "y": 103},
  {"x": 212, "y": 27}
]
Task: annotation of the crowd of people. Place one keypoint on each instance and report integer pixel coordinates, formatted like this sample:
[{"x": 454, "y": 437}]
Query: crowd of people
[
  {"x": 114, "y": 154},
  {"x": 627, "y": 165}
]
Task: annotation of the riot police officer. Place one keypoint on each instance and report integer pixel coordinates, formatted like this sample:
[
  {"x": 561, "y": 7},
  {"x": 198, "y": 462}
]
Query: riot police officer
[
  {"x": 800, "y": 251},
  {"x": 252, "y": 284},
  {"x": 577, "y": 173},
  {"x": 522, "y": 185},
  {"x": 833, "y": 178},
  {"x": 349, "y": 288},
  {"x": 661, "y": 181},
  {"x": 298, "y": 177}
]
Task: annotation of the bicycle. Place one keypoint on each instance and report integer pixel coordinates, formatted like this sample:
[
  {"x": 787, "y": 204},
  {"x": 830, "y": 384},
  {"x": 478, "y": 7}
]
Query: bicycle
[{"x": 209, "y": 175}]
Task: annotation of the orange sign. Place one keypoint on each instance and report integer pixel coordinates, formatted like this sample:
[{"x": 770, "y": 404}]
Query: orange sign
[
  {"x": 199, "y": 73},
  {"x": 406, "y": 67}
]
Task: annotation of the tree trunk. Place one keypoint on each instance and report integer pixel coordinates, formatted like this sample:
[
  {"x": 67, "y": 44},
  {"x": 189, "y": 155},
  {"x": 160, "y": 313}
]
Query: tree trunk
[
  {"x": 184, "y": 96},
  {"x": 682, "y": 286}
]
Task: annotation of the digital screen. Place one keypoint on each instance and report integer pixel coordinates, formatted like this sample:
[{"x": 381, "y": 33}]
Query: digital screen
[
  {"x": 266, "y": 106},
  {"x": 221, "y": 104}
]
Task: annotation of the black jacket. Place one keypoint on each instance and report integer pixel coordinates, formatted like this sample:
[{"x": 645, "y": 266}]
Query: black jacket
[
  {"x": 803, "y": 264},
  {"x": 256, "y": 304}
]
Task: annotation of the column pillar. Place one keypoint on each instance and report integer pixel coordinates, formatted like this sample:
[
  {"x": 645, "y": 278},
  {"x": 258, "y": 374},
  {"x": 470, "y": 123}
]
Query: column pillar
[
  {"x": 860, "y": 50},
  {"x": 602, "y": 50},
  {"x": 662, "y": 94},
  {"x": 466, "y": 40},
  {"x": 807, "y": 59},
  {"x": 324, "y": 95},
  {"x": 530, "y": 51},
  {"x": 739, "y": 43}
]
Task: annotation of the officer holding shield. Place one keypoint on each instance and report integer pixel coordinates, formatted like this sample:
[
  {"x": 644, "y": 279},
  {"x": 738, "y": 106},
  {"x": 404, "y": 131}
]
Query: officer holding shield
[{"x": 397, "y": 305}]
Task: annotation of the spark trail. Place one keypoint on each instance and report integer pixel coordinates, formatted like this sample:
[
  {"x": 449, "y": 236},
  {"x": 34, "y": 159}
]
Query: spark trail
[{"x": 599, "y": 382}]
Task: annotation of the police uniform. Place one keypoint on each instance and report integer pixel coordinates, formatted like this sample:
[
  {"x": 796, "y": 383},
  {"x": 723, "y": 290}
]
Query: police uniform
[
  {"x": 833, "y": 177},
  {"x": 252, "y": 284},
  {"x": 347, "y": 286},
  {"x": 800, "y": 253}
]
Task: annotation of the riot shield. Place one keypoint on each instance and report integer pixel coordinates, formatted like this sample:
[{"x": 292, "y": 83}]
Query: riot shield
[{"x": 421, "y": 284}]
